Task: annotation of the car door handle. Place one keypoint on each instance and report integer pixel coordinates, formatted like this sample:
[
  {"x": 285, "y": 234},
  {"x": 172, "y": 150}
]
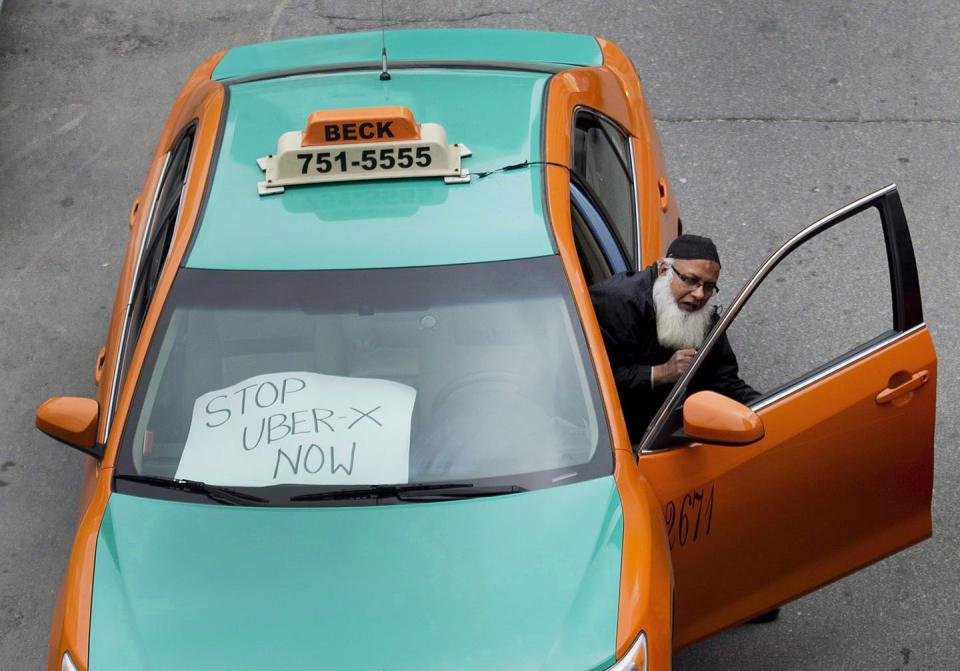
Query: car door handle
[
  {"x": 98, "y": 369},
  {"x": 664, "y": 194},
  {"x": 134, "y": 209},
  {"x": 892, "y": 393}
]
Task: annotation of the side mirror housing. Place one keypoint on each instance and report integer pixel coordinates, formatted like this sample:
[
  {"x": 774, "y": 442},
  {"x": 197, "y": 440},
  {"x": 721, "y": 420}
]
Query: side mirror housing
[
  {"x": 713, "y": 418},
  {"x": 72, "y": 420}
]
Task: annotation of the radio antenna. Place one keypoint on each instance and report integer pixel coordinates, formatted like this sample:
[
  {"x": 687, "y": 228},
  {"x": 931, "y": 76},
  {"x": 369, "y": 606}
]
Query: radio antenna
[{"x": 384, "y": 74}]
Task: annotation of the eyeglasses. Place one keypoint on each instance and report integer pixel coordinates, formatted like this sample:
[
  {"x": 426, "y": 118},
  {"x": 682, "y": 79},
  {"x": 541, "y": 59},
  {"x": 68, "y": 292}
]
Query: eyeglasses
[{"x": 694, "y": 282}]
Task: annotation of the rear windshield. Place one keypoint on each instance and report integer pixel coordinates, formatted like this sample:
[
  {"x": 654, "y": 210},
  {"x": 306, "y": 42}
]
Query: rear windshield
[{"x": 302, "y": 381}]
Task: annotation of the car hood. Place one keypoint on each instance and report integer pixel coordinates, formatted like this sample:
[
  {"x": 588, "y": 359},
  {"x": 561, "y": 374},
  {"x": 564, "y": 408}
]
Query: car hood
[{"x": 522, "y": 581}]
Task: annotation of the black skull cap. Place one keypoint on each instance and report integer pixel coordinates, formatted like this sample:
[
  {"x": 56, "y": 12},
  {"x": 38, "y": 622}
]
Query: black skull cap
[{"x": 688, "y": 246}]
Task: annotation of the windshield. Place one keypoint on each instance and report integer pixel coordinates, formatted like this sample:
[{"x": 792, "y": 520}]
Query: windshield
[{"x": 309, "y": 381}]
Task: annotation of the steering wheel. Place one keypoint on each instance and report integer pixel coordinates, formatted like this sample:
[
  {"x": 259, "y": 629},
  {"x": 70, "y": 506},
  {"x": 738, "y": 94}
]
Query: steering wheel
[{"x": 501, "y": 377}]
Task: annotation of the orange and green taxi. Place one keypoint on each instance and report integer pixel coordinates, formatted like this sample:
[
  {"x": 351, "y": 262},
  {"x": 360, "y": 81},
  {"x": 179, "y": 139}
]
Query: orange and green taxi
[{"x": 354, "y": 408}]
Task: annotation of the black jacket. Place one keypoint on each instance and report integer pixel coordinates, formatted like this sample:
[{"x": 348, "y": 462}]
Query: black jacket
[{"x": 625, "y": 310}]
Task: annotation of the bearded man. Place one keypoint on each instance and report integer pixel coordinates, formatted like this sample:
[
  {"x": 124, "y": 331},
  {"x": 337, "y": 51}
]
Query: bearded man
[{"x": 653, "y": 322}]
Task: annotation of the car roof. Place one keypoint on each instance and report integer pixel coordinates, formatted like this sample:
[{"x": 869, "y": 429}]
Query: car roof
[
  {"x": 386, "y": 223},
  {"x": 464, "y": 45}
]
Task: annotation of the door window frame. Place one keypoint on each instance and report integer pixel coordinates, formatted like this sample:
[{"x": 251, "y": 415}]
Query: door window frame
[{"x": 905, "y": 294}]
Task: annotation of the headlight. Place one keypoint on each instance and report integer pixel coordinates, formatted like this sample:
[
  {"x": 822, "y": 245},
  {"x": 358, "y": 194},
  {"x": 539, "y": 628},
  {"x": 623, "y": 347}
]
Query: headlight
[
  {"x": 66, "y": 664},
  {"x": 636, "y": 657}
]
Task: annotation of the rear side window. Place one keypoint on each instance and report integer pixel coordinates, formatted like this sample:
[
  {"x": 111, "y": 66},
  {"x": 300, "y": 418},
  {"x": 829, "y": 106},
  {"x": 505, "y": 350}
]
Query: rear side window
[{"x": 601, "y": 158}]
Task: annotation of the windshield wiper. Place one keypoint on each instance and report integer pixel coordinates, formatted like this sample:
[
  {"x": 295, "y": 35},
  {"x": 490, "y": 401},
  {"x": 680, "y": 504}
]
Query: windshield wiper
[
  {"x": 412, "y": 492},
  {"x": 224, "y": 495}
]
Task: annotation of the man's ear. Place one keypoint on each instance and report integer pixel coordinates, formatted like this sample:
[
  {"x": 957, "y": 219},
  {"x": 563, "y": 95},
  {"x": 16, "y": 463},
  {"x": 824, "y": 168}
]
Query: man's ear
[{"x": 662, "y": 267}]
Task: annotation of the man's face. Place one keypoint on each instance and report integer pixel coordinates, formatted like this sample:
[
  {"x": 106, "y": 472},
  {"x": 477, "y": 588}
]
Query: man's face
[{"x": 692, "y": 282}]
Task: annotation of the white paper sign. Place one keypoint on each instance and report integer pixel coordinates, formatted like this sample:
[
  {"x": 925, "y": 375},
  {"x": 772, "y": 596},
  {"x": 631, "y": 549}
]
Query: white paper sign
[{"x": 301, "y": 428}]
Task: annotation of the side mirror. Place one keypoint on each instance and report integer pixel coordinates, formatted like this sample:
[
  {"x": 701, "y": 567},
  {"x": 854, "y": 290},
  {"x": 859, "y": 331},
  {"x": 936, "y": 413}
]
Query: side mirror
[
  {"x": 72, "y": 420},
  {"x": 713, "y": 418}
]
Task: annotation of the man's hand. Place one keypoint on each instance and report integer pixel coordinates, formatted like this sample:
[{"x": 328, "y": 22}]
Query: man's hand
[{"x": 677, "y": 365}]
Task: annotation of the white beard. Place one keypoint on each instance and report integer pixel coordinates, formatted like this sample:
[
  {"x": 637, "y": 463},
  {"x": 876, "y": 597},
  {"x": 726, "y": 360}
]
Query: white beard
[{"x": 677, "y": 329}]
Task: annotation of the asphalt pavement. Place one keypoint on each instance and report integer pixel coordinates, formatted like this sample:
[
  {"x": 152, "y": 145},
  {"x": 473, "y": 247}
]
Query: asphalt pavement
[{"x": 771, "y": 114}]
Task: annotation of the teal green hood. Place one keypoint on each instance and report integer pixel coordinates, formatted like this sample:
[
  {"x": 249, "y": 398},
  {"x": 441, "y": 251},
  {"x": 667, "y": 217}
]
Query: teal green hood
[{"x": 524, "y": 581}]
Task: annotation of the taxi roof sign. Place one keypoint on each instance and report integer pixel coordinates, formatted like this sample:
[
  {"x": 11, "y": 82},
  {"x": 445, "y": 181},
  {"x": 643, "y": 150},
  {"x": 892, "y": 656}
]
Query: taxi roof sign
[
  {"x": 362, "y": 144},
  {"x": 360, "y": 125}
]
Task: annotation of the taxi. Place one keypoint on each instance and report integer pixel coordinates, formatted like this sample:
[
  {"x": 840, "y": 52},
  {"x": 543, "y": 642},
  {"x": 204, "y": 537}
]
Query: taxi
[{"x": 354, "y": 408}]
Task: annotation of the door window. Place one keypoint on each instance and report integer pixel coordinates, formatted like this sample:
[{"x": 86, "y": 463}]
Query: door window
[
  {"x": 823, "y": 302},
  {"x": 595, "y": 266},
  {"x": 599, "y": 253},
  {"x": 601, "y": 159},
  {"x": 157, "y": 239}
]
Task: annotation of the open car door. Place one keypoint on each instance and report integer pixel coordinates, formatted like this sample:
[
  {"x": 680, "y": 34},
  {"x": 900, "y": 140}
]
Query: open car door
[{"x": 830, "y": 331}]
